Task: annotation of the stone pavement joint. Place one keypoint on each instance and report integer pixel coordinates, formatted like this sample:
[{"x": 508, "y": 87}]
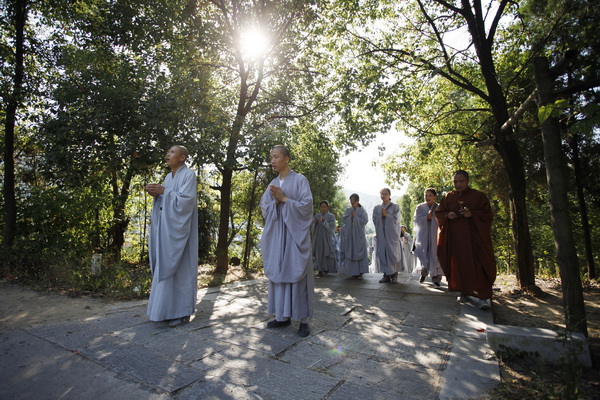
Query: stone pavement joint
[{"x": 368, "y": 340}]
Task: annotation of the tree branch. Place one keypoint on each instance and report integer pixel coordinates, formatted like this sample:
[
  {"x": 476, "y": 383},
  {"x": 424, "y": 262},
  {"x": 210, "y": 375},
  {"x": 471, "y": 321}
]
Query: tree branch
[{"x": 432, "y": 68}]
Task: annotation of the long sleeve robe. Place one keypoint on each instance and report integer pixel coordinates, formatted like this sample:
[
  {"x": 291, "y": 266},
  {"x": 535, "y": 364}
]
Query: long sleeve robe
[
  {"x": 323, "y": 242},
  {"x": 374, "y": 266},
  {"x": 354, "y": 242},
  {"x": 286, "y": 249},
  {"x": 465, "y": 244},
  {"x": 173, "y": 248},
  {"x": 425, "y": 241},
  {"x": 387, "y": 230},
  {"x": 406, "y": 242}
]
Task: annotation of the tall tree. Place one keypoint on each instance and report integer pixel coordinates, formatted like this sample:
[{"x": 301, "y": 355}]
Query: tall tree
[
  {"x": 118, "y": 101},
  {"x": 425, "y": 46},
  {"x": 17, "y": 10},
  {"x": 556, "y": 168},
  {"x": 272, "y": 85}
]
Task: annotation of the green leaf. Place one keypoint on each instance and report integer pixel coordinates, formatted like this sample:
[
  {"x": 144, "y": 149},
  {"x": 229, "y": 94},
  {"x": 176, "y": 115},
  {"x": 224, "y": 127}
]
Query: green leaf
[{"x": 545, "y": 112}]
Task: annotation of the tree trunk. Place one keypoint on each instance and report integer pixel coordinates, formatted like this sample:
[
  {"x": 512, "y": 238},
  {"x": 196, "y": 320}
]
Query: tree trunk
[
  {"x": 585, "y": 223},
  {"x": 506, "y": 147},
  {"x": 10, "y": 202},
  {"x": 222, "y": 250},
  {"x": 556, "y": 173},
  {"x": 120, "y": 222},
  {"x": 518, "y": 212},
  {"x": 249, "y": 222}
]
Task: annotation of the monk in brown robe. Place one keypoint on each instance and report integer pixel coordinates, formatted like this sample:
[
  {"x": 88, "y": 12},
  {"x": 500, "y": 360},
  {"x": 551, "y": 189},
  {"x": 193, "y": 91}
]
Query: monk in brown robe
[{"x": 465, "y": 241}]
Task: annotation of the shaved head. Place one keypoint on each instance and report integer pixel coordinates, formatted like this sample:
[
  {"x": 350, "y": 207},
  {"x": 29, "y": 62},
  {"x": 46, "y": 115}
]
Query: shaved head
[{"x": 182, "y": 150}]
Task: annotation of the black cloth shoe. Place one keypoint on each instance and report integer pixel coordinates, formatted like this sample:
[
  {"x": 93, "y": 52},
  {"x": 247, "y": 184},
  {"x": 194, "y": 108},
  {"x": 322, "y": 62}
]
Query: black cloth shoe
[
  {"x": 386, "y": 278},
  {"x": 178, "y": 321},
  {"x": 394, "y": 277},
  {"x": 437, "y": 284},
  {"x": 304, "y": 330},
  {"x": 422, "y": 279},
  {"x": 278, "y": 324}
]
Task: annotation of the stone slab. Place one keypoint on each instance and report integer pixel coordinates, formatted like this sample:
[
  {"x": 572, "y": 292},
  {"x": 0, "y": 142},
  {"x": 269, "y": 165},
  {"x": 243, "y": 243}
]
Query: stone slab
[
  {"x": 269, "y": 342},
  {"x": 408, "y": 380},
  {"x": 442, "y": 322},
  {"x": 469, "y": 377},
  {"x": 313, "y": 356},
  {"x": 267, "y": 377},
  {"x": 385, "y": 347},
  {"x": 115, "y": 353},
  {"x": 216, "y": 389},
  {"x": 353, "y": 390},
  {"x": 150, "y": 368},
  {"x": 548, "y": 345},
  {"x": 33, "y": 368}
]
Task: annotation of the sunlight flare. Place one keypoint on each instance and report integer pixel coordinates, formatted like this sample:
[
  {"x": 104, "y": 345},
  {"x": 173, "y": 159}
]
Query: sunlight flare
[{"x": 253, "y": 44}]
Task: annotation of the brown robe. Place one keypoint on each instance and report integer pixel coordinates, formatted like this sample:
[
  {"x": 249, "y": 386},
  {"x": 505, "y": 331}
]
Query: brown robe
[{"x": 465, "y": 244}]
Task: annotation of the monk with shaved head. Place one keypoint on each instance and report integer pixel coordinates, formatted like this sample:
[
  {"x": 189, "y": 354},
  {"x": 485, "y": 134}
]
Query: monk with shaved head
[{"x": 173, "y": 242}]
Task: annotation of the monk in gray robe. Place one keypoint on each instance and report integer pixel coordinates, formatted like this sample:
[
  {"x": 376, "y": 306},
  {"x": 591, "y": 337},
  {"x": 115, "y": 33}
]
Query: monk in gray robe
[
  {"x": 374, "y": 266},
  {"x": 286, "y": 246},
  {"x": 323, "y": 240},
  {"x": 173, "y": 243},
  {"x": 425, "y": 239},
  {"x": 406, "y": 242},
  {"x": 387, "y": 229},
  {"x": 353, "y": 240}
]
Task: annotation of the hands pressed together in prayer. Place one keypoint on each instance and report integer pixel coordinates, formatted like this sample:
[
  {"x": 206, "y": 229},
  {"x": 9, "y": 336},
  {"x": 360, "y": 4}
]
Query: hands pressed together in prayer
[
  {"x": 277, "y": 194},
  {"x": 383, "y": 212},
  {"x": 430, "y": 215},
  {"x": 154, "y": 189}
]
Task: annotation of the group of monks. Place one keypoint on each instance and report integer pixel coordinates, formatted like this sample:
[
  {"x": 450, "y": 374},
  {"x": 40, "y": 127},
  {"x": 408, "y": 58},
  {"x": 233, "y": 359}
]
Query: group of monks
[{"x": 452, "y": 238}]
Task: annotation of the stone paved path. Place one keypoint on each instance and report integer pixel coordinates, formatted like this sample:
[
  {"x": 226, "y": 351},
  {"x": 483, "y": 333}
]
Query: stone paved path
[{"x": 368, "y": 341}]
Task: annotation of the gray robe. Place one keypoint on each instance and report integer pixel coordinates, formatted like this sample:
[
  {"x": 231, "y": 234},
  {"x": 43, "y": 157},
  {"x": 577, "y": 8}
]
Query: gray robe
[
  {"x": 286, "y": 249},
  {"x": 374, "y": 266},
  {"x": 425, "y": 242},
  {"x": 406, "y": 242},
  {"x": 354, "y": 242},
  {"x": 323, "y": 242},
  {"x": 388, "y": 238},
  {"x": 173, "y": 248}
]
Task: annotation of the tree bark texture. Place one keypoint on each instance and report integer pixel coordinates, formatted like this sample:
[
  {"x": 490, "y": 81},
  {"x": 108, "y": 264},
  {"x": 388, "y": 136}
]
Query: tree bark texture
[
  {"x": 10, "y": 202},
  {"x": 249, "y": 222},
  {"x": 556, "y": 174},
  {"x": 222, "y": 252},
  {"x": 585, "y": 223},
  {"x": 506, "y": 147}
]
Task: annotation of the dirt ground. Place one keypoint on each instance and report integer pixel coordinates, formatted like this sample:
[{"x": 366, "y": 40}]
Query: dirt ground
[{"x": 525, "y": 377}]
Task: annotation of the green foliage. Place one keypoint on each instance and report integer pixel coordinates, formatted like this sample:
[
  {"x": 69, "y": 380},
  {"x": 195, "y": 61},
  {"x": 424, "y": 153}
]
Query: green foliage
[
  {"x": 407, "y": 210},
  {"x": 111, "y": 85}
]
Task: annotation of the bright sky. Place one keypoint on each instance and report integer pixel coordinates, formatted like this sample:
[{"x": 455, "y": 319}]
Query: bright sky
[{"x": 360, "y": 174}]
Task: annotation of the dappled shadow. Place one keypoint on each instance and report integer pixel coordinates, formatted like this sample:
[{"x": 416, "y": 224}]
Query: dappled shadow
[{"x": 366, "y": 338}]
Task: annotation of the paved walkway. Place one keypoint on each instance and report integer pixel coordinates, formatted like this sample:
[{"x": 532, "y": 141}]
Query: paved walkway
[{"x": 368, "y": 341}]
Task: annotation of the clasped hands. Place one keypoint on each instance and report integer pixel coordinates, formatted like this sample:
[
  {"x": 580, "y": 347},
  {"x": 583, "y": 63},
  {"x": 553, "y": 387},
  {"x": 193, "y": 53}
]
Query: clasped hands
[
  {"x": 154, "y": 189},
  {"x": 277, "y": 194},
  {"x": 465, "y": 212}
]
